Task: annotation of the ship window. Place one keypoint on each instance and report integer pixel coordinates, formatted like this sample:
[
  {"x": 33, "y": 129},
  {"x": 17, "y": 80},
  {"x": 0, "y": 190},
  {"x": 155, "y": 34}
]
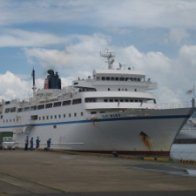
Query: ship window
[
  {"x": 90, "y": 100},
  {"x": 68, "y": 102},
  {"x": 117, "y": 78},
  {"x": 26, "y": 108},
  {"x": 57, "y": 104},
  {"x": 47, "y": 117},
  {"x": 105, "y": 100},
  {"x": 93, "y": 112},
  {"x": 39, "y": 107},
  {"x": 33, "y": 107},
  {"x": 51, "y": 117},
  {"x": 43, "y": 117},
  {"x": 103, "y": 78},
  {"x": 64, "y": 115},
  {"x": 19, "y": 109},
  {"x": 82, "y": 113},
  {"x": 48, "y": 105},
  {"x": 7, "y": 110},
  {"x": 1, "y": 116},
  {"x": 59, "y": 116},
  {"x": 112, "y": 78},
  {"x": 12, "y": 109},
  {"x": 75, "y": 114},
  {"x": 39, "y": 117},
  {"x": 55, "y": 116},
  {"x": 34, "y": 117},
  {"x": 69, "y": 115},
  {"x": 77, "y": 101},
  {"x": 107, "y": 78}
]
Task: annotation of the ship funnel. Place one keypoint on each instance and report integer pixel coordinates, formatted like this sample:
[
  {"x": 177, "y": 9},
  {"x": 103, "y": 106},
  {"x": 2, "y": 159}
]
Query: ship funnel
[{"x": 52, "y": 81}]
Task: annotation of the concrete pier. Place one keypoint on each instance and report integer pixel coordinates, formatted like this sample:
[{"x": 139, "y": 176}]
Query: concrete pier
[{"x": 57, "y": 173}]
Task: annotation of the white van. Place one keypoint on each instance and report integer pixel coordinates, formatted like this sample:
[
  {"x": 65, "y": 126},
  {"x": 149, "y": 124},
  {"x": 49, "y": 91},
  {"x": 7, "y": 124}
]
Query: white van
[{"x": 8, "y": 143}]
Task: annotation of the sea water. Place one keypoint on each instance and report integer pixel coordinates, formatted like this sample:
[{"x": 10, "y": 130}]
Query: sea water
[{"x": 183, "y": 152}]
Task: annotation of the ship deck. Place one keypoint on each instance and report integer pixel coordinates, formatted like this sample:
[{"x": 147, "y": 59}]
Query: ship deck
[{"x": 59, "y": 173}]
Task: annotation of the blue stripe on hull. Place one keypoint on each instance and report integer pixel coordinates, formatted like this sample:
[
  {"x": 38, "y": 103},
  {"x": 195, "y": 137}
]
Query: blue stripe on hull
[{"x": 98, "y": 120}]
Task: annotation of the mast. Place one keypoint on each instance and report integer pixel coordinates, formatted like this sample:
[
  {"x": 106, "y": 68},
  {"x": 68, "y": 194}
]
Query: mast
[
  {"x": 33, "y": 76},
  {"x": 109, "y": 58}
]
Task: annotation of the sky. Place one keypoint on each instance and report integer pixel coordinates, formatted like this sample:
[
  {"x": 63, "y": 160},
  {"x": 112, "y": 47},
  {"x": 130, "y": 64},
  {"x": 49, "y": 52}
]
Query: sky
[{"x": 155, "y": 36}]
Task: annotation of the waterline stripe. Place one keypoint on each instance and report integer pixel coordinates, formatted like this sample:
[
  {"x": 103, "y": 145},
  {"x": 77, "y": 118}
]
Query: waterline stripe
[{"x": 95, "y": 120}]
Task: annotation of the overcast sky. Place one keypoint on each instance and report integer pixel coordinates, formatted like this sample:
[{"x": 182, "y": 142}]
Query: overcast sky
[{"x": 156, "y": 36}]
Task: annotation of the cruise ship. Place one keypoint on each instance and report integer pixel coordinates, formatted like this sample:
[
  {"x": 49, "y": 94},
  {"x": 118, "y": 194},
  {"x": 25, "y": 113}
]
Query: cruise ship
[{"x": 113, "y": 110}]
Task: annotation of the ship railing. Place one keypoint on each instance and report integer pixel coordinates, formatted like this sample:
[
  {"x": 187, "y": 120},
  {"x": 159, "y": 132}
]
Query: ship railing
[{"x": 173, "y": 105}]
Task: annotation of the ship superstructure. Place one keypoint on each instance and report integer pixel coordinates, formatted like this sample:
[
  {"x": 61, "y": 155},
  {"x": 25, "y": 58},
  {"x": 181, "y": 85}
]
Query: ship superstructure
[{"x": 112, "y": 110}]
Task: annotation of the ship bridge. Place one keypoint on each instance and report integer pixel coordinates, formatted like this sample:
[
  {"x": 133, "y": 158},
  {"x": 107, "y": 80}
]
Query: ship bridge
[{"x": 115, "y": 80}]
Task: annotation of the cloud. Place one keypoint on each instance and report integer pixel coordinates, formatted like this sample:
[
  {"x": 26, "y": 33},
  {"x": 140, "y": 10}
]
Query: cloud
[
  {"x": 81, "y": 53},
  {"x": 12, "y": 86},
  {"x": 110, "y": 13},
  {"x": 21, "y": 38},
  {"x": 178, "y": 35}
]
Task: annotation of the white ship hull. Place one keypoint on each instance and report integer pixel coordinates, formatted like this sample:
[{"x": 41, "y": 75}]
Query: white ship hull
[{"x": 152, "y": 133}]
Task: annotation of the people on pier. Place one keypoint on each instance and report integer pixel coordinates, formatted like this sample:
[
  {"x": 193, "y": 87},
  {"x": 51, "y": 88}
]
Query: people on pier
[
  {"x": 31, "y": 143},
  {"x": 48, "y": 143},
  {"x": 37, "y": 142},
  {"x": 26, "y": 142}
]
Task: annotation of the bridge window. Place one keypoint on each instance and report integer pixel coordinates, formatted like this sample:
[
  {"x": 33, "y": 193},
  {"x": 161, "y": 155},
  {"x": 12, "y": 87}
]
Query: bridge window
[
  {"x": 68, "y": 102},
  {"x": 48, "y": 105},
  {"x": 87, "y": 100},
  {"x": 33, "y": 107},
  {"x": 7, "y": 110},
  {"x": 12, "y": 109},
  {"x": 19, "y": 109},
  {"x": 39, "y": 107},
  {"x": 57, "y": 104},
  {"x": 77, "y": 101}
]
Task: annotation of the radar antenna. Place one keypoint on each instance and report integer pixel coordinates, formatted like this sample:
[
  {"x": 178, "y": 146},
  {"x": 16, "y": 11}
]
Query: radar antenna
[{"x": 109, "y": 58}]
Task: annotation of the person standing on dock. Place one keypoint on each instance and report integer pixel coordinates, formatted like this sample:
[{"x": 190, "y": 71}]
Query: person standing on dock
[
  {"x": 37, "y": 142},
  {"x": 31, "y": 143},
  {"x": 48, "y": 143},
  {"x": 26, "y": 142}
]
